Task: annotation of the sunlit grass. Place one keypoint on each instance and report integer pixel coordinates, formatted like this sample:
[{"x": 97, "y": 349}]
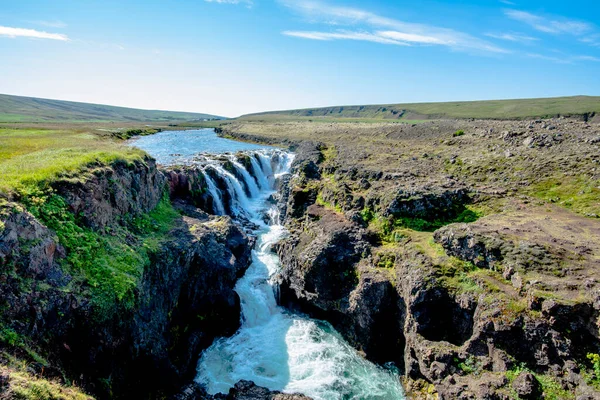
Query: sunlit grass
[{"x": 31, "y": 157}]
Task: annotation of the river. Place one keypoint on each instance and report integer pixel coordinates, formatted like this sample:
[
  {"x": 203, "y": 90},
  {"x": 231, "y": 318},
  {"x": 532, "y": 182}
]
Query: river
[{"x": 274, "y": 348}]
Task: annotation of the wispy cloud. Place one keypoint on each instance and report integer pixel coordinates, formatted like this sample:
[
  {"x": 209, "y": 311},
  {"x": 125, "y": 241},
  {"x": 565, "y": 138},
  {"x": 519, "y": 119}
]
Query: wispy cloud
[
  {"x": 247, "y": 2},
  {"x": 50, "y": 24},
  {"x": 380, "y": 29},
  {"x": 550, "y": 25},
  {"x": 588, "y": 58},
  {"x": 30, "y": 33},
  {"x": 510, "y": 3},
  {"x": 341, "y": 35},
  {"x": 564, "y": 58},
  {"x": 558, "y": 60},
  {"x": 592, "y": 40},
  {"x": 512, "y": 37}
]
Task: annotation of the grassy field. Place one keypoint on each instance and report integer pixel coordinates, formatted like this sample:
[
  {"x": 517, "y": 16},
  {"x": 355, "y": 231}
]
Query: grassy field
[
  {"x": 490, "y": 109},
  {"x": 33, "y": 157},
  {"x": 30, "y": 109}
]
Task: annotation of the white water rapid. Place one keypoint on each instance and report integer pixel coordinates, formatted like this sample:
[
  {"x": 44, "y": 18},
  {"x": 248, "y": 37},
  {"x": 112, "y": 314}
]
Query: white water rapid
[{"x": 275, "y": 348}]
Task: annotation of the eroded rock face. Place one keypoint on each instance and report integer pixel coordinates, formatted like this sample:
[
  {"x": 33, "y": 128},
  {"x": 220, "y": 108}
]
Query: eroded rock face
[
  {"x": 243, "y": 390},
  {"x": 106, "y": 194},
  {"x": 461, "y": 336},
  {"x": 184, "y": 299}
]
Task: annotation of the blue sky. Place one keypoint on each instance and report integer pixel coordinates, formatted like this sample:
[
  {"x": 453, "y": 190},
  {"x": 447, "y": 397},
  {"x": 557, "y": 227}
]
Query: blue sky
[{"x": 230, "y": 57}]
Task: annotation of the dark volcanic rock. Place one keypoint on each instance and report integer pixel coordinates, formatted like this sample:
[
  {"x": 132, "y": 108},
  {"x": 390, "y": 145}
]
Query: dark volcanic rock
[
  {"x": 113, "y": 192},
  {"x": 527, "y": 386},
  {"x": 243, "y": 390},
  {"x": 184, "y": 299},
  {"x": 247, "y": 390}
]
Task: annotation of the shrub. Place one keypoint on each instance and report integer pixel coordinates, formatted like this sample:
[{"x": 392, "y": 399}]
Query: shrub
[{"x": 459, "y": 132}]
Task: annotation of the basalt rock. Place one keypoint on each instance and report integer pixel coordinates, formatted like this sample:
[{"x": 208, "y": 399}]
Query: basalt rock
[
  {"x": 243, "y": 390},
  {"x": 184, "y": 298},
  {"x": 106, "y": 194},
  {"x": 397, "y": 302}
]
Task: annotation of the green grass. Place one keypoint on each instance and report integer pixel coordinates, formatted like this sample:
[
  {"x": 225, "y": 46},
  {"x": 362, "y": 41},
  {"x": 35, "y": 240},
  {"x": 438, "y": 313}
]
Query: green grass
[
  {"x": 580, "y": 194},
  {"x": 551, "y": 389},
  {"x": 29, "y": 109},
  {"x": 489, "y": 109},
  {"x": 109, "y": 264},
  {"x": 31, "y": 158},
  {"x": 24, "y": 386}
]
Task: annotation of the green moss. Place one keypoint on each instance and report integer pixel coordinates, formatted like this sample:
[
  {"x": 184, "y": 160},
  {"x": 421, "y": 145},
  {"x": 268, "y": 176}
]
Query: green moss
[
  {"x": 593, "y": 377},
  {"x": 459, "y": 132},
  {"x": 551, "y": 389},
  {"x": 470, "y": 366},
  {"x": 335, "y": 207},
  {"x": 109, "y": 264},
  {"x": 580, "y": 194},
  {"x": 10, "y": 337}
]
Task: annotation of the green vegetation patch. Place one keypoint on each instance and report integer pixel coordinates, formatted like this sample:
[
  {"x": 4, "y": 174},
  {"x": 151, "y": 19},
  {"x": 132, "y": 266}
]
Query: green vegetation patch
[
  {"x": 552, "y": 390},
  {"x": 32, "y": 158},
  {"x": 388, "y": 228},
  {"x": 580, "y": 193},
  {"x": 24, "y": 386},
  {"x": 109, "y": 264}
]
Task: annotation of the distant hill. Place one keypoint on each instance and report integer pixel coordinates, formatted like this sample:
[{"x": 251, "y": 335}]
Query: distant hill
[
  {"x": 31, "y": 109},
  {"x": 584, "y": 106}
]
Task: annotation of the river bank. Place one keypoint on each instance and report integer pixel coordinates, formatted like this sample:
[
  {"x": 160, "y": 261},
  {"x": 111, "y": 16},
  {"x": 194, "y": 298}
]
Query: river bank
[{"x": 439, "y": 247}]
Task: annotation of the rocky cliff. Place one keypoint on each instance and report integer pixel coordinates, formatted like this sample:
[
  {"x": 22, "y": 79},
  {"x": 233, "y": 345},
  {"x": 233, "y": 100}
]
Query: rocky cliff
[
  {"x": 107, "y": 285},
  {"x": 415, "y": 268}
]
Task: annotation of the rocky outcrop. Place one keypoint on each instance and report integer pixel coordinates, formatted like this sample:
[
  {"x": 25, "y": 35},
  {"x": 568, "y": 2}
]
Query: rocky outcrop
[
  {"x": 146, "y": 345},
  {"x": 243, "y": 390},
  {"x": 105, "y": 194},
  {"x": 479, "y": 311}
]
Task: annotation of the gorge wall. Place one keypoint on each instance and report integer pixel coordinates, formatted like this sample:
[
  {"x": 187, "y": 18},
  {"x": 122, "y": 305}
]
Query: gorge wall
[
  {"x": 454, "y": 305},
  {"x": 70, "y": 312}
]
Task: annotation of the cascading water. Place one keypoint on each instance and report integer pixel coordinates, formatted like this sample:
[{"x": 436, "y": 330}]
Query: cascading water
[
  {"x": 248, "y": 179},
  {"x": 262, "y": 179},
  {"x": 219, "y": 209},
  {"x": 278, "y": 349},
  {"x": 274, "y": 348},
  {"x": 240, "y": 203}
]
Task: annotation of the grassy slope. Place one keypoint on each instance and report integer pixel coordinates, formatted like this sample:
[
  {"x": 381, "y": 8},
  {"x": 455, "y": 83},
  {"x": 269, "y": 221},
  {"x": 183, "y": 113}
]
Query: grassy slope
[
  {"x": 30, "y": 109},
  {"x": 32, "y": 157},
  {"x": 491, "y": 109}
]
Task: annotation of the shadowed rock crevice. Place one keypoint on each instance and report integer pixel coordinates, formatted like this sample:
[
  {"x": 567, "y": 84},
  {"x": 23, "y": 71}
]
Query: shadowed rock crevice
[{"x": 439, "y": 317}]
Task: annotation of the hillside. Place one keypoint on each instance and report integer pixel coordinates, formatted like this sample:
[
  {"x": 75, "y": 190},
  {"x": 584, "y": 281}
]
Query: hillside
[
  {"x": 31, "y": 109},
  {"x": 489, "y": 109}
]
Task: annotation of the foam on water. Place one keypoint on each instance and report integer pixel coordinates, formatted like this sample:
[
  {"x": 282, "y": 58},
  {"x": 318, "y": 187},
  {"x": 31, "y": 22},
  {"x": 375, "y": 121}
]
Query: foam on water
[{"x": 274, "y": 348}]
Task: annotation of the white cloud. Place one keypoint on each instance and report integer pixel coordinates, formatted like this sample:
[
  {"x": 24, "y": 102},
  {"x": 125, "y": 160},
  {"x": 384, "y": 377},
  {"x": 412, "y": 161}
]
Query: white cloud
[
  {"x": 593, "y": 40},
  {"x": 31, "y": 33},
  {"x": 249, "y": 2},
  {"x": 51, "y": 24},
  {"x": 588, "y": 58},
  {"x": 550, "y": 25},
  {"x": 385, "y": 30},
  {"x": 512, "y": 37},
  {"x": 341, "y": 35},
  {"x": 564, "y": 59}
]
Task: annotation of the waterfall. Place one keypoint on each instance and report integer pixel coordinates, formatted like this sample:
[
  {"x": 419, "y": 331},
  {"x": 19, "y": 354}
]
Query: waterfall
[
  {"x": 248, "y": 179},
  {"x": 260, "y": 174},
  {"x": 267, "y": 167},
  {"x": 215, "y": 194},
  {"x": 238, "y": 196},
  {"x": 265, "y": 162},
  {"x": 274, "y": 347}
]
